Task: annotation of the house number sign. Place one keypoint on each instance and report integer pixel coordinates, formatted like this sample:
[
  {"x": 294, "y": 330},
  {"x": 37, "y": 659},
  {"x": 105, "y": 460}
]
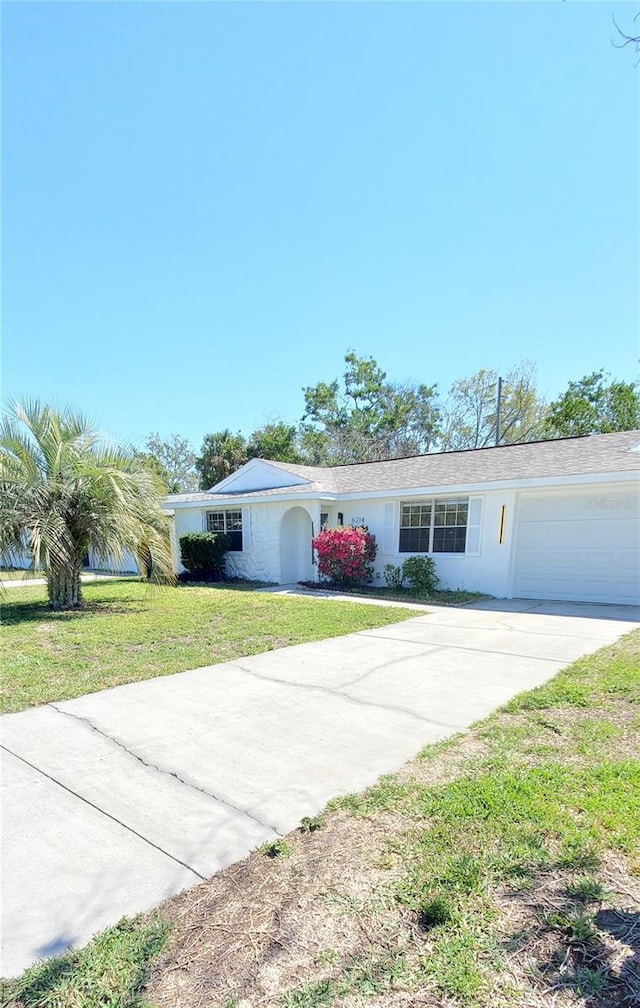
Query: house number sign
[{"x": 357, "y": 522}]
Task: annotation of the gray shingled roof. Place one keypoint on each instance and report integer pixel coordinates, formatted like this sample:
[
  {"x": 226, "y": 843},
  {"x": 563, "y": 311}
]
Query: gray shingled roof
[{"x": 599, "y": 453}]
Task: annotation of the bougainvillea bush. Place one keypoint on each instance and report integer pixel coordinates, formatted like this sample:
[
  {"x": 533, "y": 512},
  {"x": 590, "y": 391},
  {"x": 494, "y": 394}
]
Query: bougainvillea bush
[{"x": 346, "y": 555}]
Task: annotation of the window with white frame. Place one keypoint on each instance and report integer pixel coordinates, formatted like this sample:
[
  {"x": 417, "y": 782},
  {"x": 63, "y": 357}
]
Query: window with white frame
[
  {"x": 229, "y": 522},
  {"x": 434, "y": 526}
]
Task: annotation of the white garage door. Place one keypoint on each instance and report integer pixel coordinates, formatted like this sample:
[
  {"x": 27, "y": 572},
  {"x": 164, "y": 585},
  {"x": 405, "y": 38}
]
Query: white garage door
[{"x": 582, "y": 547}]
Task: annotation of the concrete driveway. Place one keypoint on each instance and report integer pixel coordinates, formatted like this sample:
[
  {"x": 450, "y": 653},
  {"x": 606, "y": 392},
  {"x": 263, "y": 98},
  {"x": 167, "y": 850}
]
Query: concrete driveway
[{"x": 118, "y": 799}]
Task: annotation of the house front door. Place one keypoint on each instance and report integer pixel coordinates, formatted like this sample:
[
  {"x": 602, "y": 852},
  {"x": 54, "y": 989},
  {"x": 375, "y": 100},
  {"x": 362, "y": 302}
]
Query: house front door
[{"x": 296, "y": 533}]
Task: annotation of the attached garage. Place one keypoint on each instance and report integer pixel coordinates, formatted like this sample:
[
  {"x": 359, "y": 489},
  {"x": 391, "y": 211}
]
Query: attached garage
[{"x": 578, "y": 546}]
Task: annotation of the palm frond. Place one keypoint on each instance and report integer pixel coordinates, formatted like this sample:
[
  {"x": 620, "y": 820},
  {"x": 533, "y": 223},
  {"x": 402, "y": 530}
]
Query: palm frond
[{"x": 64, "y": 490}]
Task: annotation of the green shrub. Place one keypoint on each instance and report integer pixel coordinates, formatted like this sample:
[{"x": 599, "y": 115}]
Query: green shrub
[
  {"x": 421, "y": 575},
  {"x": 393, "y": 576},
  {"x": 204, "y": 555}
]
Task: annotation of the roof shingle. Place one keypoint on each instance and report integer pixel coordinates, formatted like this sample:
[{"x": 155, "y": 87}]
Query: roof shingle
[{"x": 598, "y": 453}]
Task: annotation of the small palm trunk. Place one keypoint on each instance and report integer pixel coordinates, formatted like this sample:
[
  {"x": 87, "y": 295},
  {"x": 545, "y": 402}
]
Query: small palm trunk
[{"x": 64, "y": 588}]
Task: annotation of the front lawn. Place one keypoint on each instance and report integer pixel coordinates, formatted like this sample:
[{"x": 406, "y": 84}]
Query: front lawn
[{"x": 129, "y": 631}]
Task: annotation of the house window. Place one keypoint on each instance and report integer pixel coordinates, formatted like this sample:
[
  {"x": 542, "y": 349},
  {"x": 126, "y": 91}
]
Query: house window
[
  {"x": 415, "y": 527},
  {"x": 450, "y": 526},
  {"x": 434, "y": 526},
  {"x": 229, "y": 522}
]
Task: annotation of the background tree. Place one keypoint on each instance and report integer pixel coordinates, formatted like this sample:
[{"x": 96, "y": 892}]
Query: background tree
[
  {"x": 367, "y": 418},
  {"x": 470, "y": 410},
  {"x": 594, "y": 405},
  {"x": 64, "y": 492},
  {"x": 176, "y": 462},
  {"x": 315, "y": 445},
  {"x": 153, "y": 465},
  {"x": 221, "y": 454},
  {"x": 276, "y": 440}
]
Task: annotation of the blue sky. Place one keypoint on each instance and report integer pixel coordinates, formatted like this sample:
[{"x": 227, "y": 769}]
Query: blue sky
[{"x": 205, "y": 205}]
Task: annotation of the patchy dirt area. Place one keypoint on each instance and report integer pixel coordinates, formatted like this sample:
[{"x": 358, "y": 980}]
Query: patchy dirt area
[
  {"x": 572, "y": 957},
  {"x": 270, "y": 923},
  {"x": 319, "y": 924}
]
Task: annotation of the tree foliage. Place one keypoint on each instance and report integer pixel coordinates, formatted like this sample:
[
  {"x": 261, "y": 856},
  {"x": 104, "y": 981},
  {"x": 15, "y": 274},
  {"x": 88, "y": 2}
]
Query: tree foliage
[
  {"x": 174, "y": 460},
  {"x": 221, "y": 454},
  {"x": 64, "y": 492},
  {"x": 365, "y": 417},
  {"x": 276, "y": 440},
  {"x": 154, "y": 466},
  {"x": 594, "y": 405},
  {"x": 223, "y": 451},
  {"x": 470, "y": 414}
]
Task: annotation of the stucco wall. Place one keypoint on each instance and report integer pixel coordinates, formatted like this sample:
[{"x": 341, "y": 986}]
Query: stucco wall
[
  {"x": 260, "y": 558},
  {"x": 487, "y": 572}
]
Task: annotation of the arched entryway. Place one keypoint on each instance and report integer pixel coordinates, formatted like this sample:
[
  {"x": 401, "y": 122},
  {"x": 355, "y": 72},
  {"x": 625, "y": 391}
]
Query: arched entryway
[{"x": 295, "y": 546}]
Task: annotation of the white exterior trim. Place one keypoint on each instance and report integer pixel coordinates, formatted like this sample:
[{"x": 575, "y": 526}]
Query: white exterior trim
[{"x": 284, "y": 477}]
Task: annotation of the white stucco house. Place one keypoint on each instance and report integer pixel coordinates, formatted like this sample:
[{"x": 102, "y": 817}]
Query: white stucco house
[{"x": 549, "y": 519}]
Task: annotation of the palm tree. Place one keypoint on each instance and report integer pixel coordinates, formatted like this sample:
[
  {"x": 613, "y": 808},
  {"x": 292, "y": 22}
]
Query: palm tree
[
  {"x": 222, "y": 453},
  {"x": 64, "y": 492}
]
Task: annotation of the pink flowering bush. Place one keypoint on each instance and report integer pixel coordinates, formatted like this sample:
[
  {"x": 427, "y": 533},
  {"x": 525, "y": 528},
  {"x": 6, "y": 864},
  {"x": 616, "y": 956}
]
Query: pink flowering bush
[{"x": 346, "y": 555}]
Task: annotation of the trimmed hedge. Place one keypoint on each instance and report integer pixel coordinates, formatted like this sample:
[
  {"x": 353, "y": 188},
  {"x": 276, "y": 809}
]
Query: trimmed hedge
[{"x": 204, "y": 555}]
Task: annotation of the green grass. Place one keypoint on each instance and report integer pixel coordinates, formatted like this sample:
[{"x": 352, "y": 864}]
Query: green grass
[
  {"x": 276, "y": 849},
  {"x": 372, "y": 976},
  {"x": 129, "y": 632},
  {"x": 109, "y": 972},
  {"x": 592, "y": 681}
]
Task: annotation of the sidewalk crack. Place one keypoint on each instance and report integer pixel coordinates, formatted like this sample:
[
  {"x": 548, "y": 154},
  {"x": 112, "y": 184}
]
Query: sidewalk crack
[
  {"x": 167, "y": 773},
  {"x": 472, "y": 650},
  {"x": 107, "y": 815},
  {"x": 431, "y": 649},
  {"x": 392, "y": 708}
]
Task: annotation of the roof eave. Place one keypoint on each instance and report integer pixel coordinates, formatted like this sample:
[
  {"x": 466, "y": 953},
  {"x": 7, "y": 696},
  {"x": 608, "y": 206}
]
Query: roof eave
[{"x": 566, "y": 479}]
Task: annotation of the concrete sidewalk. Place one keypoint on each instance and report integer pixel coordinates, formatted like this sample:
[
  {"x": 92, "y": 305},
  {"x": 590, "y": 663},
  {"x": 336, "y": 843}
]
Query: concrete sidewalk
[
  {"x": 28, "y": 582},
  {"x": 118, "y": 799}
]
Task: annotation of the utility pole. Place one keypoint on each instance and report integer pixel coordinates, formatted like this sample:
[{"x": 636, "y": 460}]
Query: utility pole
[{"x": 498, "y": 408}]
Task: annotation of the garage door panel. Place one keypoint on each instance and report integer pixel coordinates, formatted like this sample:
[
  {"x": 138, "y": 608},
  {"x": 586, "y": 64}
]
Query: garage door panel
[
  {"x": 596, "y": 564},
  {"x": 573, "y": 547},
  {"x": 627, "y": 563},
  {"x": 584, "y": 534},
  {"x": 594, "y": 505}
]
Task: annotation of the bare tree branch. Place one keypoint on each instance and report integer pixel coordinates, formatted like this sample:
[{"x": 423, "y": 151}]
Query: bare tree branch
[{"x": 627, "y": 39}]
